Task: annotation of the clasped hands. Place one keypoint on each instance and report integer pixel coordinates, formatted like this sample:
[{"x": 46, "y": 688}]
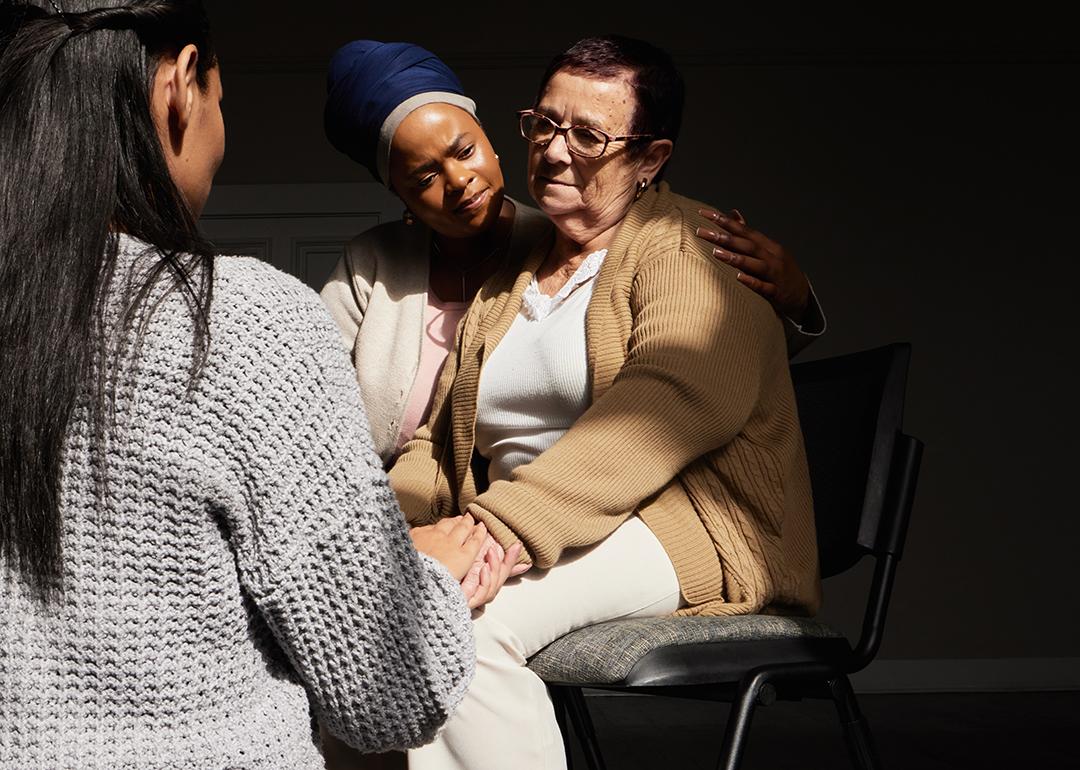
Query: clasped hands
[{"x": 464, "y": 546}]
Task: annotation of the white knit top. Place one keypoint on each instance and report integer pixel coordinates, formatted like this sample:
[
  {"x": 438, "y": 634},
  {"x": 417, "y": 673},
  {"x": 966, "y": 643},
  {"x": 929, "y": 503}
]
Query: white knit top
[{"x": 535, "y": 384}]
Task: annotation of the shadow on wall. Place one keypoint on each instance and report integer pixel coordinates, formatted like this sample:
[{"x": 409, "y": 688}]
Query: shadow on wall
[{"x": 923, "y": 177}]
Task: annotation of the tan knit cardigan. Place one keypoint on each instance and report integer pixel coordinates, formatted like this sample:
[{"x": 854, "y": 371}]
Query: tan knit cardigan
[{"x": 692, "y": 425}]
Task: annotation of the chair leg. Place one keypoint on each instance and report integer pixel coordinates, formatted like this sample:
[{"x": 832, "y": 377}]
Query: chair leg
[
  {"x": 857, "y": 735},
  {"x": 558, "y": 700},
  {"x": 583, "y": 727},
  {"x": 738, "y": 724}
]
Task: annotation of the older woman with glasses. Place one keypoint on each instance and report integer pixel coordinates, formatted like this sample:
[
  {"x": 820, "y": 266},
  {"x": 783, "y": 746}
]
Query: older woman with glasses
[
  {"x": 401, "y": 288},
  {"x": 619, "y": 405}
]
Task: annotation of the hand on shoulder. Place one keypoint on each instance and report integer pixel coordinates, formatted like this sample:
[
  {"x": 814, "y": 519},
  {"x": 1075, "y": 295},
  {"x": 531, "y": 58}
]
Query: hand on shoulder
[{"x": 763, "y": 264}]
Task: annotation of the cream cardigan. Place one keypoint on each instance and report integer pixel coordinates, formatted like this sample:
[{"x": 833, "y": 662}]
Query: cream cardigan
[
  {"x": 377, "y": 294},
  {"x": 693, "y": 425}
]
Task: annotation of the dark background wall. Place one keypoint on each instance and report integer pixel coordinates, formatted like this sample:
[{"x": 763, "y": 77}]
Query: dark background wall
[{"x": 922, "y": 168}]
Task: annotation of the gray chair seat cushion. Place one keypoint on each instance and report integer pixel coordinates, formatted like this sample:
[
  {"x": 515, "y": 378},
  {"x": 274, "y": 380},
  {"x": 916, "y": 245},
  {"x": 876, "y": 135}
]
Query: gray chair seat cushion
[{"x": 669, "y": 651}]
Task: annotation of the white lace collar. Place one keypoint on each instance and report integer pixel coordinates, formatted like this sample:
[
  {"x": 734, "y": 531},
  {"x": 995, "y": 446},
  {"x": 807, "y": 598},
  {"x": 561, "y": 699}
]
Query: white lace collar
[{"x": 536, "y": 306}]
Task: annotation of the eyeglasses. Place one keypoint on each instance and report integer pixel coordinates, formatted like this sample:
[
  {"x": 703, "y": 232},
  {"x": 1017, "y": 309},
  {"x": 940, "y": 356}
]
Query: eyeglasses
[{"x": 586, "y": 141}]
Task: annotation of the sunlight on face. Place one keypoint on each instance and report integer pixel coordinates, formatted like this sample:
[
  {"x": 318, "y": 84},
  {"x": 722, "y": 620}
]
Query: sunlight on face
[
  {"x": 444, "y": 169},
  {"x": 208, "y": 127},
  {"x": 582, "y": 195}
]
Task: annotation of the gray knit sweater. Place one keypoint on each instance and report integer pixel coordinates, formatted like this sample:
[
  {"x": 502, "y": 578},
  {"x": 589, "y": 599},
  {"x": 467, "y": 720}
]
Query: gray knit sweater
[{"x": 248, "y": 566}]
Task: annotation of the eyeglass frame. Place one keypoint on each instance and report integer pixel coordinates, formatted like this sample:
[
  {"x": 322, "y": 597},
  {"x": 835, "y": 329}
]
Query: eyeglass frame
[{"x": 564, "y": 130}]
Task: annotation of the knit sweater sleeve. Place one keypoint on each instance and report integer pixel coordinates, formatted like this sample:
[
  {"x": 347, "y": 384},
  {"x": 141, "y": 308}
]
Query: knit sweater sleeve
[
  {"x": 379, "y": 635},
  {"x": 690, "y": 381}
]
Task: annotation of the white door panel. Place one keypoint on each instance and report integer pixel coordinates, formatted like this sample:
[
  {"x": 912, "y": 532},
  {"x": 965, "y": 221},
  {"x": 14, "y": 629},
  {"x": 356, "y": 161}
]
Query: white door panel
[{"x": 300, "y": 229}]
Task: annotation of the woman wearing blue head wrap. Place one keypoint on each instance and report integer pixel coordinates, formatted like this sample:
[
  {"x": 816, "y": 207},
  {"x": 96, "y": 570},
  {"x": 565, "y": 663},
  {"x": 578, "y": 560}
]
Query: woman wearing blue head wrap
[
  {"x": 397, "y": 295},
  {"x": 401, "y": 288},
  {"x": 373, "y": 86}
]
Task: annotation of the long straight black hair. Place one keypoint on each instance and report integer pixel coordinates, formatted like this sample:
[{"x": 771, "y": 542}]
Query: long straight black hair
[{"x": 80, "y": 162}]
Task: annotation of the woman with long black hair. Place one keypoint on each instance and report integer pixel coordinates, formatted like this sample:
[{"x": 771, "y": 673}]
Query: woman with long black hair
[{"x": 198, "y": 543}]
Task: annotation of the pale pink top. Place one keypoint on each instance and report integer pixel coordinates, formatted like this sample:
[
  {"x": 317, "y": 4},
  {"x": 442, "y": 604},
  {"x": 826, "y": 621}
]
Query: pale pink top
[{"x": 440, "y": 323}]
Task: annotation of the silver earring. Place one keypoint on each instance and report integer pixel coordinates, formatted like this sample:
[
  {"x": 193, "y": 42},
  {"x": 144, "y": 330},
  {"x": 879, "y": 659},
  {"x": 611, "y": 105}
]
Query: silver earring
[{"x": 641, "y": 187}]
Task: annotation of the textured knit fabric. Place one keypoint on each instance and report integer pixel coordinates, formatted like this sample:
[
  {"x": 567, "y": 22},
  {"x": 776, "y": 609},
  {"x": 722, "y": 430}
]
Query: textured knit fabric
[
  {"x": 247, "y": 563},
  {"x": 535, "y": 385},
  {"x": 693, "y": 425},
  {"x": 440, "y": 324},
  {"x": 377, "y": 295}
]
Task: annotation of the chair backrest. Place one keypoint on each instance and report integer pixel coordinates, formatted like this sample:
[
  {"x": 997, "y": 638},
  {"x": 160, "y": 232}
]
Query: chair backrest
[{"x": 851, "y": 409}]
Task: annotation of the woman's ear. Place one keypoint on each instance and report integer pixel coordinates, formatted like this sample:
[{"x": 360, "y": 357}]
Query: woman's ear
[
  {"x": 176, "y": 89},
  {"x": 655, "y": 157}
]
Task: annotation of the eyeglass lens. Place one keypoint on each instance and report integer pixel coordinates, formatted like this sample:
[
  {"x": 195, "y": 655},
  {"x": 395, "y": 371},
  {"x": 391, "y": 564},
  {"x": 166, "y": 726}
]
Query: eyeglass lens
[{"x": 581, "y": 140}]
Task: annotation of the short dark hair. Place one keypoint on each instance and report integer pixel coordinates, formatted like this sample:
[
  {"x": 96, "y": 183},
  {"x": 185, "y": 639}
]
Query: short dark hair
[{"x": 654, "y": 79}]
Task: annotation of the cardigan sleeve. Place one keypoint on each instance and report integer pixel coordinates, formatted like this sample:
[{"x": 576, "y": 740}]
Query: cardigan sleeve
[
  {"x": 800, "y": 335},
  {"x": 693, "y": 371},
  {"x": 347, "y": 292},
  {"x": 419, "y": 476},
  {"x": 379, "y": 635}
]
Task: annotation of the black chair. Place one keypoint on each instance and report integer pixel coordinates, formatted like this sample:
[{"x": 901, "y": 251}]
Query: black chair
[{"x": 864, "y": 472}]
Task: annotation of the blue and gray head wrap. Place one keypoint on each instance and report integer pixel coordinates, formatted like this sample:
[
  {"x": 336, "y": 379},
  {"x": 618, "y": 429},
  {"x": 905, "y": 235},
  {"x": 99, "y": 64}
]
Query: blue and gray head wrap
[{"x": 372, "y": 87}]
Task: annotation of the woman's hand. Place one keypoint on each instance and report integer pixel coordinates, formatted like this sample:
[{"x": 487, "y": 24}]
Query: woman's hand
[
  {"x": 454, "y": 542},
  {"x": 492, "y": 568},
  {"x": 764, "y": 265}
]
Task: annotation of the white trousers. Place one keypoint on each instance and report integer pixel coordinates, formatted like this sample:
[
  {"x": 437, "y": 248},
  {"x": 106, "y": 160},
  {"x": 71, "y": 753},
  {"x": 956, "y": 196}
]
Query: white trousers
[{"x": 507, "y": 719}]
